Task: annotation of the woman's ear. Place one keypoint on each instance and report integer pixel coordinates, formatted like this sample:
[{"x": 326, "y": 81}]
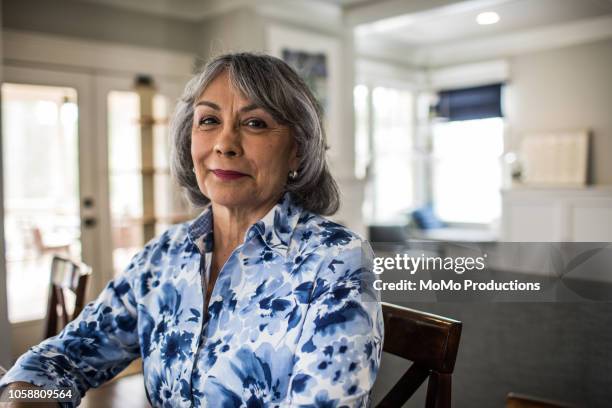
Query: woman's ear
[{"x": 294, "y": 158}]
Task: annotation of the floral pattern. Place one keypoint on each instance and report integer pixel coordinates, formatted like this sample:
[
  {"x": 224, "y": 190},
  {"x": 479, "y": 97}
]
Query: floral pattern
[{"x": 292, "y": 320}]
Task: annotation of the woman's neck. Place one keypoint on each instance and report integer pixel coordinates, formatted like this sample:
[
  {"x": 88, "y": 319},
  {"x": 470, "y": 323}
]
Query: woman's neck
[{"x": 230, "y": 224}]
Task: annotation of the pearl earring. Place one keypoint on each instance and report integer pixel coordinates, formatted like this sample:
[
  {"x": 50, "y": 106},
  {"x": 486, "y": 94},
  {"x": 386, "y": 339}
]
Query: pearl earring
[{"x": 293, "y": 174}]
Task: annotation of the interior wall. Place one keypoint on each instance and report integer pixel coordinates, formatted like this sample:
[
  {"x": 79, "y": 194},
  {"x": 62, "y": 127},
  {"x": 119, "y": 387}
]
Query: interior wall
[
  {"x": 98, "y": 22},
  {"x": 5, "y": 341},
  {"x": 566, "y": 89},
  {"x": 238, "y": 30}
]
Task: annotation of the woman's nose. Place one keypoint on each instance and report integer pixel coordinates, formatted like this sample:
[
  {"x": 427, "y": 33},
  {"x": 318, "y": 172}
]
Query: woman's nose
[{"x": 229, "y": 142}]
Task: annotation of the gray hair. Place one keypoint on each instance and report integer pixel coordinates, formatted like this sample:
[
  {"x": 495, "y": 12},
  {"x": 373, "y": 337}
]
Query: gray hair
[{"x": 274, "y": 86}]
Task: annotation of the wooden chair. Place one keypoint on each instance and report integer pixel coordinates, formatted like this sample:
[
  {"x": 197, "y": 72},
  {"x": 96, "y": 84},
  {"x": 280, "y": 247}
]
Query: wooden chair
[
  {"x": 66, "y": 277},
  {"x": 525, "y": 401},
  {"x": 431, "y": 342}
]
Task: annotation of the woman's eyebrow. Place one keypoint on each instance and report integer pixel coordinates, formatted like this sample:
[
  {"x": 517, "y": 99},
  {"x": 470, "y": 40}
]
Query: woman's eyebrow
[
  {"x": 209, "y": 104},
  {"x": 250, "y": 107},
  {"x": 214, "y": 106}
]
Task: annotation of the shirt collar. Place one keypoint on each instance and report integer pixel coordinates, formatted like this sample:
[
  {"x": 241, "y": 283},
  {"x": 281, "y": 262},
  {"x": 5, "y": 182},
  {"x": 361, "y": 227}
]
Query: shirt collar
[{"x": 275, "y": 228}]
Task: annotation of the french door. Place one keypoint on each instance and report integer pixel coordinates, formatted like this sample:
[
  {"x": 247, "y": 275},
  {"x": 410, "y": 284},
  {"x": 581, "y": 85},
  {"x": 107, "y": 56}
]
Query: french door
[
  {"x": 73, "y": 176},
  {"x": 142, "y": 199},
  {"x": 51, "y": 203}
]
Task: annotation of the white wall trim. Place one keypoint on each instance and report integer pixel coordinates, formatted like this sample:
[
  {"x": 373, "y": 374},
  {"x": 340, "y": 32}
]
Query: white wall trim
[
  {"x": 34, "y": 48},
  {"x": 192, "y": 10},
  {"x": 538, "y": 39},
  {"x": 473, "y": 74},
  {"x": 197, "y": 10},
  {"x": 375, "y": 47},
  {"x": 391, "y": 9},
  {"x": 312, "y": 14},
  {"x": 389, "y": 73}
]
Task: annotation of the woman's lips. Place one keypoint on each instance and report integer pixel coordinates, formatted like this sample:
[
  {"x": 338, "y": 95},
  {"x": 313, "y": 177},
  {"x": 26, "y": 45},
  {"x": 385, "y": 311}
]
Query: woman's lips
[{"x": 228, "y": 174}]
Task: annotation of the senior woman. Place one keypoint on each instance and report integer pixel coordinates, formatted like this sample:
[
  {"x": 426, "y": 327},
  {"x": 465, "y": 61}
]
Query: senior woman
[{"x": 259, "y": 301}]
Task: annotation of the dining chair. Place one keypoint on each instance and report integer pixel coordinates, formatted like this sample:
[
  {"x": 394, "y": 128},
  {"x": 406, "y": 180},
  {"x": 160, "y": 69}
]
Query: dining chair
[
  {"x": 514, "y": 400},
  {"x": 431, "y": 342},
  {"x": 44, "y": 247},
  {"x": 68, "y": 280}
]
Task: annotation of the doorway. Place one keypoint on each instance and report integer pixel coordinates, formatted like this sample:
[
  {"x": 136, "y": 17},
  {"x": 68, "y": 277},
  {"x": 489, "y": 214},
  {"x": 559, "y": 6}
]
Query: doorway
[{"x": 73, "y": 180}]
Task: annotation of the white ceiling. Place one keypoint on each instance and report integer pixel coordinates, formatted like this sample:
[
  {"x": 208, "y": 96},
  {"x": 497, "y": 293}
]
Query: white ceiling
[
  {"x": 195, "y": 10},
  {"x": 420, "y": 32},
  {"x": 457, "y": 22}
]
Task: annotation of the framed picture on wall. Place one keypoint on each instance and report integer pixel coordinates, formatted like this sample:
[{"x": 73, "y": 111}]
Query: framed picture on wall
[
  {"x": 555, "y": 159},
  {"x": 316, "y": 58}
]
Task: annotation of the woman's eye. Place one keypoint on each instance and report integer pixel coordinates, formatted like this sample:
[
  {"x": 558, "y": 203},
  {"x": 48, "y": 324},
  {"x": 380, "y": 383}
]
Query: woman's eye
[
  {"x": 208, "y": 120},
  {"x": 256, "y": 123}
]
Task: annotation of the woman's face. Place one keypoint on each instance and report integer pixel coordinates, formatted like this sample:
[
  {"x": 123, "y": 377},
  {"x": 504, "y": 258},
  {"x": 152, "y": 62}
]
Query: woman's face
[{"x": 241, "y": 155}]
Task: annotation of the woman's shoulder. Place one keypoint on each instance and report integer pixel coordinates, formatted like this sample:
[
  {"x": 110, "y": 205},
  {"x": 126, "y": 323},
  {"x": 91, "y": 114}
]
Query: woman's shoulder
[{"x": 341, "y": 258}]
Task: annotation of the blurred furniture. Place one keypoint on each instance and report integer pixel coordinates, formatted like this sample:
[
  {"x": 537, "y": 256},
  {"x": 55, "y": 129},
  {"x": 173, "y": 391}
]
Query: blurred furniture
[
  {"x": 431, "y": 342},
  {"x": 557, "y": 214},
  {"x": 454, "y": 235},
  {"x": 2, "y": 372},
  {"x": 388, "y": 238},
  {"x": 125, "y": 392},
  {"x": 68, "y": 280},
  {"x": 431, "y": 228},
  {"x": 43, "y": 246},
  {"x": 525, "y": 401}
]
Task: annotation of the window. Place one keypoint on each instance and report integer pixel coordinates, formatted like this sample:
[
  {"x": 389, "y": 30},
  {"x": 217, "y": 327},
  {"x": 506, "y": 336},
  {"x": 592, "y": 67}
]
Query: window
[
  {"x": 466, "y": 155},
  {"x": 466, "y": 170},
  {"x": 384, "y": 129}
]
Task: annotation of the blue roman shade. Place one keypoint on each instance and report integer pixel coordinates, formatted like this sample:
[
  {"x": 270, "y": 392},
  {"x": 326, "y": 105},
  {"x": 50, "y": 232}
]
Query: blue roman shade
[{"x": 479, "y": 102}]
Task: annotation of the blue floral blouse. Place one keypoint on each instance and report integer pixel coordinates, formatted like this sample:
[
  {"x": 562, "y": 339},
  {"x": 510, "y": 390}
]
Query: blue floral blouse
[{"x": 292, "y": 320}]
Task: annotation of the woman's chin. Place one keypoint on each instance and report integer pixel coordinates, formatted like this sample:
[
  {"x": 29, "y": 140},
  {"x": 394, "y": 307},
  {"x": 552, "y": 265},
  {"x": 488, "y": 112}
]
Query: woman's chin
[{"x": 234, "y": 199}]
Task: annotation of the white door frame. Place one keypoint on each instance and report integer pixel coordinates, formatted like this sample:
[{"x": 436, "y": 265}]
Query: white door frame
[
  {"x": 103, "y": 85},
  {"x": 24, "y": 333}
]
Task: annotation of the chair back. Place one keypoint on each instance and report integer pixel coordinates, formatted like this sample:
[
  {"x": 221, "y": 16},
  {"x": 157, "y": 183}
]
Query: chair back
[
  {"x": 431, "y": 342},
  {"x": 68, "y": 280}
]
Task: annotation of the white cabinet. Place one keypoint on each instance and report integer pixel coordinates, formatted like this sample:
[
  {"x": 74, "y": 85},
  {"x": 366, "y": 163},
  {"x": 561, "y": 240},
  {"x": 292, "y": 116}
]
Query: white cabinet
[{"x": 557, "y": 215}]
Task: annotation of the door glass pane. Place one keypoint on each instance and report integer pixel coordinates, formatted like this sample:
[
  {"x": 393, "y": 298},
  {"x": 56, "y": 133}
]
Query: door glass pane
[
  {"x": 126, "y": 175},
  {"x": 41, "y": 195},
  {"x": 392, "y": 170}
]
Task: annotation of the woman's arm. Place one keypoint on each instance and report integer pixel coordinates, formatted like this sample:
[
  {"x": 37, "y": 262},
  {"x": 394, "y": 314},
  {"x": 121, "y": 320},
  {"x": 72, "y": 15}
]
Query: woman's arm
[
  {"x": 338, "y": 354},
  {"x": 90, "y": 350}
]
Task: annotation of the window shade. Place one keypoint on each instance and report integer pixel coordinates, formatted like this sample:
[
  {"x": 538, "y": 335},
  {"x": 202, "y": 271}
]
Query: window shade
[{"x": 479, "y": 102}]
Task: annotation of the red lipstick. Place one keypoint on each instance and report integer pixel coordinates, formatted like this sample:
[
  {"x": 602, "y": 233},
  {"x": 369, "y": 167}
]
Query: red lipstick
[{"x": 228, "y": 175}]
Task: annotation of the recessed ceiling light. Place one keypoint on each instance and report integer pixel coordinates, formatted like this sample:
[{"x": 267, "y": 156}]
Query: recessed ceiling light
[{"x": 488, "y": 17}]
